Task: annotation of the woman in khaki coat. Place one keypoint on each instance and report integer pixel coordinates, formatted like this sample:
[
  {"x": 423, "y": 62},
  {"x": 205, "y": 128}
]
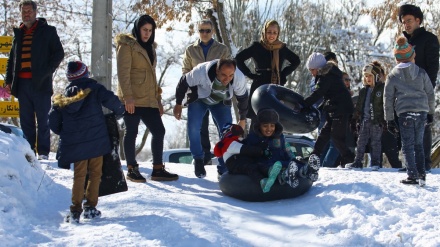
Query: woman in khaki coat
[{"x": 139, "y": 92}]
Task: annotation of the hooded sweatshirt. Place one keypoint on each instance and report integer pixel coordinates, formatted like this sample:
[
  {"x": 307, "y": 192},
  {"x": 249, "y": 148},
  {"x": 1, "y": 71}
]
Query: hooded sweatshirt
[{"x": 408, "y": 89}]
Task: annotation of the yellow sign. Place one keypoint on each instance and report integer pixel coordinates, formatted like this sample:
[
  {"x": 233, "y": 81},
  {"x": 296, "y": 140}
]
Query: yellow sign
[
  {"x": 5, "y": 43},
  {"x": 9, "y": 108},
  {"x": 3, "y": 62}
]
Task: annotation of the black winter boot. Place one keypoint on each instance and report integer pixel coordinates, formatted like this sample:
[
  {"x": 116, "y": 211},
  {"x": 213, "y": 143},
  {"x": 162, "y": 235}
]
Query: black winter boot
[
  {"x": 91, "y": 213},
  {"x": 199, "y": 168},
  {"x": 160, "y": 174},
  {"x": 134, "y": 175}
]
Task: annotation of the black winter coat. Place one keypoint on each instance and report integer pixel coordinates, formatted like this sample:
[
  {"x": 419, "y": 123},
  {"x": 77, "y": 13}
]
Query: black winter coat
[
  {"x": 78, "y": 119},
  {"x": 47, "y": 54},
  {"x": 263, "y": 63},
  {"x": 426, "y": 46},
  {"x": 337, "y": 99}
]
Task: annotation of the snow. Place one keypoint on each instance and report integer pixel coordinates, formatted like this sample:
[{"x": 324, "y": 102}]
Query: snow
[{"x": 343, "y": 208}]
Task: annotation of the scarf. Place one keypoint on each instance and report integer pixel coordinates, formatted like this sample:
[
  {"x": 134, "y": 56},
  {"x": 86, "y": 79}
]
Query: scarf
[{"x": 275, "y": 64}]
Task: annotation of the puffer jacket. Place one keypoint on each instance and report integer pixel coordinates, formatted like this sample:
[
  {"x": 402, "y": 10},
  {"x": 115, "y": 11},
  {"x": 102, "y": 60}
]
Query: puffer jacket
[
  {"x": 337, "y": 99},
  {"x": 408, "y": 89},
  {"x": 136, "y": 75},
  {"x": 77, "y": 117},
  {"x": 276, "y": 144},
  {"x": 376, "y": 100}
]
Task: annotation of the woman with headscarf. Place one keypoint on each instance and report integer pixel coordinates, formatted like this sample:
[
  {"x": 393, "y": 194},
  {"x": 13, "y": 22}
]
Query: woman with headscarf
[
  {"x": 139, "y": 92},
  {"x": 269, "y": 55}
]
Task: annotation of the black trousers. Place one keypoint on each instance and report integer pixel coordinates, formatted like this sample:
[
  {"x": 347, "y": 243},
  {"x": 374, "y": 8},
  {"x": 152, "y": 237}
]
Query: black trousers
[
  {"x": 391, "y": 149},
  {"x": 152, "y": 119},
  {"x": 335, "y": 127},
  {"x": 239, "y": 164}
]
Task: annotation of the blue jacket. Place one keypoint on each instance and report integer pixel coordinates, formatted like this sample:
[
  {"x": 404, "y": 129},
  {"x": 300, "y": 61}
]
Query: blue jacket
[
  {"x": 77, "y": 117},
  {"x": 276, "y": 144}
]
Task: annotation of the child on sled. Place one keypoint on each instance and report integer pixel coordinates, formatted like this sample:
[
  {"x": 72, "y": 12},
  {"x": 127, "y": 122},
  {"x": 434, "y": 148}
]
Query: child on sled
[{"x": 264, "y": 155}]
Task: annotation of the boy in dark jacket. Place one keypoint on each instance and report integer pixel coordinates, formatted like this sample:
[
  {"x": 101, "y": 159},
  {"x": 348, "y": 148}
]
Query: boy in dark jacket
[
  {"x": 77, "y": 117},
  {"x": 368, "y": 118}
]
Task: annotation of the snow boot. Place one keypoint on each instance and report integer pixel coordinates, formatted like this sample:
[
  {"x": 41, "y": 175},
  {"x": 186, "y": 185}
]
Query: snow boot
[
  {"x": 91, "y": 213},
  {"x": 274, "y": 170},
  {"x": 134, "y": 175},
  {"x": 314, "y": 164},
  {"x": 355, "y": 165},
  {"x": 199, "y": 168},
  {"x": 73, "y": 217},
  {"x": 290, "y": 175},
  {"x": 422, "y": 180},
  {"x": 160, "y": 174},
  {"x": 409, "y": 180}
]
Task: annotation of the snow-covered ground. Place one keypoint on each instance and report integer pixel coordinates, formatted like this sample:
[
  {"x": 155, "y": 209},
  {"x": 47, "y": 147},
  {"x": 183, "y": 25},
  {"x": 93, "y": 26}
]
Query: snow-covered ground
[{"x": 343, "y": 208}]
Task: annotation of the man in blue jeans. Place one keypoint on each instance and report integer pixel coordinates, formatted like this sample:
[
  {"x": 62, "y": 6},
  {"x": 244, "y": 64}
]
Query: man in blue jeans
[{"x": 216, "y": 81}]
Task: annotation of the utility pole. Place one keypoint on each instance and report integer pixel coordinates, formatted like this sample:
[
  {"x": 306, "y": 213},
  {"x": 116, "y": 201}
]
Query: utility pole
[{"x": 102, "y": 42}]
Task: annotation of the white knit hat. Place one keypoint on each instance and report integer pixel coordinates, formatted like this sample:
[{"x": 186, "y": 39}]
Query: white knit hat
[{"x": 316, "y": 60}]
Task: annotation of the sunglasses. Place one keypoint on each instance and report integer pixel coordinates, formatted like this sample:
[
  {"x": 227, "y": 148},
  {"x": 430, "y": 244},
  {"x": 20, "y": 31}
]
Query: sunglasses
[
  {"x": 205, "y": 30},
  {"x": 347, "y": 79}
]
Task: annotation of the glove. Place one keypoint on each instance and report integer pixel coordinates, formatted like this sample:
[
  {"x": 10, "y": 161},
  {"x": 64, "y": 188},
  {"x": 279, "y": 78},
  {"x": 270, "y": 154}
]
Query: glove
[
  {"x": 392, "y": 128},
  {"x": 429, "y": 119},
  {"x": 267, "y": 154}
]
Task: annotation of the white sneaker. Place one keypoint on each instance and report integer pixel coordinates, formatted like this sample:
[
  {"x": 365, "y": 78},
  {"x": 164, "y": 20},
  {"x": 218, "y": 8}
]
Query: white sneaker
[{"x": 43, "y": 157}]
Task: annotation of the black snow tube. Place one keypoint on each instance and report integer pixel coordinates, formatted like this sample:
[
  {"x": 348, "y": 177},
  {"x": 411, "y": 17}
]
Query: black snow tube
[
  {"x": 288, "y": 104},
  {"x": 244, "y": 188}
]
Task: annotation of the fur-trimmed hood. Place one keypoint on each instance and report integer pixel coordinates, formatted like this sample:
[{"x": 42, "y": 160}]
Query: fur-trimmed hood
[
  {"x": 71, "y": 103},
  {"x": 124, "y": 38},
  {"x": 328, "y": 68}
]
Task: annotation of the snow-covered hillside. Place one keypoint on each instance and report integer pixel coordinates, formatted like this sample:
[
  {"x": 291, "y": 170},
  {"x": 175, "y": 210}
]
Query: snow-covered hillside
[{"x": 343, "y": 208}]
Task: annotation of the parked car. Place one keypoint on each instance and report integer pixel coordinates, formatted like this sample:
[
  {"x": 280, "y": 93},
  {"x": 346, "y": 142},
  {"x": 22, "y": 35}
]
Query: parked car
[{"x": 301, "y": 146}]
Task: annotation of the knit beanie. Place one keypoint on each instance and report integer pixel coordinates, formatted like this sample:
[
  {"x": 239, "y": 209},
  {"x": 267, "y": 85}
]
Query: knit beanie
[
  {"x": 372, "y": 69},
  {"x": 76, "y": 70},
  {"x": 409, "y": 9},
  {"x": 316, "y": 60},
  {"x": 403, "y": 52}
]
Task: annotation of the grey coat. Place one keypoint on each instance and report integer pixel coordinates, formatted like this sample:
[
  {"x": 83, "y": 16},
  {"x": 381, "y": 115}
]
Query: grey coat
[{"x": 408, "y": 89}]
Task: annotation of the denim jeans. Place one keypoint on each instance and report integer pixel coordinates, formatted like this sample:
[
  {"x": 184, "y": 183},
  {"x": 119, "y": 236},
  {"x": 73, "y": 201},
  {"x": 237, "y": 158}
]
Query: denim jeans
[
  {"x": 196, "y": 111},
  {"x": 330, "y": 157},
  {"x": 412, "y": 128}
]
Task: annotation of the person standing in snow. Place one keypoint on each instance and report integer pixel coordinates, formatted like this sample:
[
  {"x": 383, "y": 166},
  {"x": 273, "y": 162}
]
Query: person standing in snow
[
  {"x": 368, "y": 118},
  {"x": 337, "y": 103},
  {"x": 77, "y": 117},
  {"x": 216, "y": 81},
  {"x": 408, "y": 91},
  {"x": 426, "y": 46},
  {"x": 269, "y": 54},
  {"x": 35, "y": 55},
  {"x": 141, "y": 95},
  {"x": 202, "y": 50}
]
